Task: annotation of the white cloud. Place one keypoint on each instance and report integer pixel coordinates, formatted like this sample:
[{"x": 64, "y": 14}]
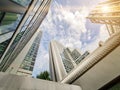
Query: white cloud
[
  {"x": 76, "y": 19},
  {"x": 65, "y": 24},
  {"x": 103, "y": 33},
  {"x": 103, "y": 36}
]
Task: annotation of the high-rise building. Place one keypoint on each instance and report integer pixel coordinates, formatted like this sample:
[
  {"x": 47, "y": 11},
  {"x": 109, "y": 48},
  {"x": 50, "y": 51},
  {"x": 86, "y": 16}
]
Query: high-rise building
[
  {"x": 19, "y": 21},
  {"x": 27, "y": 65},
  {"x": 63, "y": 60},
  {"x": 57, "y": 69},
  {"x": 107, "y": 13}
]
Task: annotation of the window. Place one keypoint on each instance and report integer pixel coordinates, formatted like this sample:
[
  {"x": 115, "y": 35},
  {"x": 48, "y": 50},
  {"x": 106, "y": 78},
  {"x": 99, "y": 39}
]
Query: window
[
  {"x": 31, "y": 69},
  {"x": 22, "y": 2},
  {"x": 9, "y": 18},
  {"x": 8, "y": 24},
  {"x": 28, "y": 20},
  {"x": 32, "y": 63},
  {"x": 67, "y": 63},
  {"x": 3, "y": 47}
]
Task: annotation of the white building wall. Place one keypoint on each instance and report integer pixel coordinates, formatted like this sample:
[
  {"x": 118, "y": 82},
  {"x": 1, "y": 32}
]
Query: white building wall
[{"x": 56, "y": 49}]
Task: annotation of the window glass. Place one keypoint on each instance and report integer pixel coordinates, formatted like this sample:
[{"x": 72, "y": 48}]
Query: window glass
[
  {"x": 37, "y": 5},
  {"x": 31, "y": 69},
  {"x": 9, "y": 18},
  {"x": 24, "y": 38},
  {"x": 3, "y": 46},
  {"x": 23, "y": 28},
  {"x": 28, "y": 20},
  {"x": 9, "y": 22},
  {"x": 22, "y": 2},
  {"x": 67, "y": 63},
  {"x": 8, "y": 25}
]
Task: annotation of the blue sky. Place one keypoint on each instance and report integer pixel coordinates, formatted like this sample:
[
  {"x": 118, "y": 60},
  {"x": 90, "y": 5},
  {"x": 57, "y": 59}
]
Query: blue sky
[{"x": 66, "y": 22}]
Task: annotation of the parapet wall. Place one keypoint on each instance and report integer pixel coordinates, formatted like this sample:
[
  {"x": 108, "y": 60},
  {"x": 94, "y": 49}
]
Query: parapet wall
[{"x": 15, "y": 82}]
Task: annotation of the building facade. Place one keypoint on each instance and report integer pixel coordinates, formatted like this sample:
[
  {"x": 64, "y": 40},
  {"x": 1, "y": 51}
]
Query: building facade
[
  {"x": 64, "y": 60},
  {"x": 57, "y": 70},
  {"x": 107, "y": 13},
  {"x": 27, "y": 64},
  {"x": 21, "y": 20}
]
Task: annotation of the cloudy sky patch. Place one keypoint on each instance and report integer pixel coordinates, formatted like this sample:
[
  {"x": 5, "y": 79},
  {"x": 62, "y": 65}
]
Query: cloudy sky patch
[{"x": 66, "y": 22}]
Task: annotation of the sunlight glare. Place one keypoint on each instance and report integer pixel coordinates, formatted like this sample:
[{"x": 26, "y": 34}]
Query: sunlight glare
[{"x": 105, "y": 9}]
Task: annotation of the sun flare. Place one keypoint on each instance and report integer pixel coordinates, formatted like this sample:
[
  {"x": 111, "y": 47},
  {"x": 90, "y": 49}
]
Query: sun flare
[{"x": 105, "y": 9}]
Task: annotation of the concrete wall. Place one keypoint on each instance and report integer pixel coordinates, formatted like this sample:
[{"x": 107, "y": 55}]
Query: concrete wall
[
  {"x": 14, "y": 82},
  {"x": 102, "y": 73},
  {"x": 56, "y": 65}
]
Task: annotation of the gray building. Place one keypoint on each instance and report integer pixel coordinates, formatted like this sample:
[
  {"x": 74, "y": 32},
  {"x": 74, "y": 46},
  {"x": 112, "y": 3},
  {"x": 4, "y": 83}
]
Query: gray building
[
  {"x": 57, "y": 69},
  {"x": 21, "y": 20},
  {"x": 63, "y": 59}
]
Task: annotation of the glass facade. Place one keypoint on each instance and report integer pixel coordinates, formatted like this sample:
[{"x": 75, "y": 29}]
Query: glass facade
[
  {"x": 3, "y": 46},
  {"x": 22, "y": 2},
  {"x": 67, "y": 63},
  {"x": 9, "y": 21},
  {"x": 72, "y": 58},
  {"x": 32, "y": 21},
  {"x": 12, "y": 47},
  {"x": 81, "y": 57},
  {"x": 29, "y": 60},
  {"x": 8, "y": 25},
  {"x": 75, "y": 55}
]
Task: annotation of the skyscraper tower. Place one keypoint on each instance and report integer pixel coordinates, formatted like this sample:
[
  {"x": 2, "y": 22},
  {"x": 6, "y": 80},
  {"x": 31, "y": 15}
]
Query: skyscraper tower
[
  {"x": 27, "y": 65},
  {"x": 57, "y": 69},
  {"x": 107, "y": 13},
  {"x": 22, "y": 19},
  {"x": 63, "y": 60}
]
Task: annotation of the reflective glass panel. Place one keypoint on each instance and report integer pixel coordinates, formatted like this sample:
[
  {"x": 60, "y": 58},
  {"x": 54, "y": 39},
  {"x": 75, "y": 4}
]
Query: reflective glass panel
[
  {"x": 23, "y": 2},
  {"x": 8, "y": 25}
]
